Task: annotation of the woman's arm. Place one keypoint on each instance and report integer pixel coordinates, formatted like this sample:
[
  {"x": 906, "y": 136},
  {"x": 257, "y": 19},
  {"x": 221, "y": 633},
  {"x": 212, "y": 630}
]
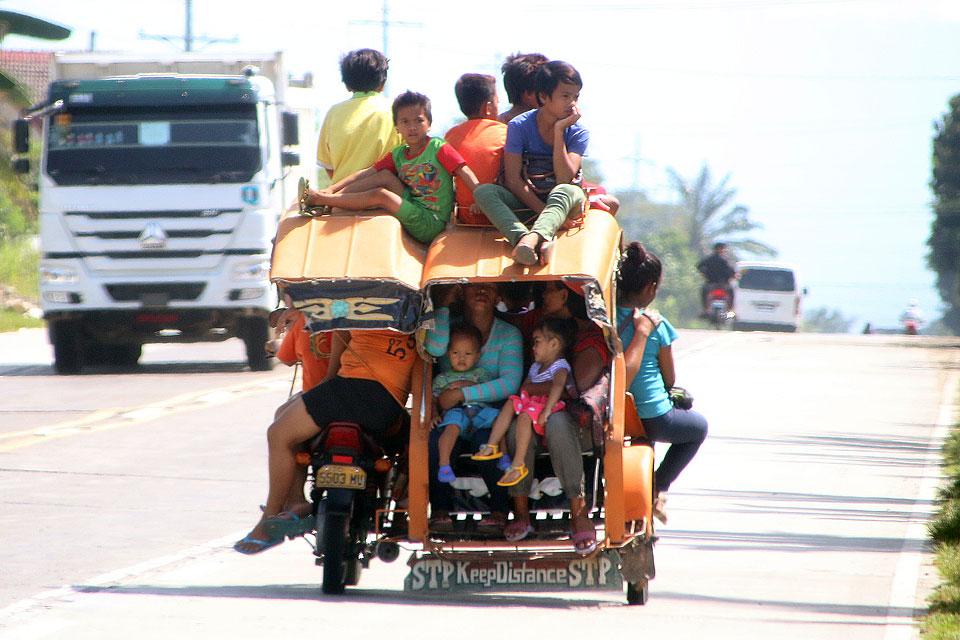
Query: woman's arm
[
  {"x": 509, "y": 370},
  {"x": 512, "y": 175},
  {"x": 633, "y": 356},
  {"x": 566, "y": 164},
  {"x": 438, "y": 338},
  {"x": 587, "y": 368},
  {"x": 665, "y": 358}
]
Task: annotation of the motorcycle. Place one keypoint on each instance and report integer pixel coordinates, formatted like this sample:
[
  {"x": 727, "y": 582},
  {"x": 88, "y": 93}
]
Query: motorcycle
[
  {"x": 718, "y": 305},
  {"x": 352, "y": 478}
]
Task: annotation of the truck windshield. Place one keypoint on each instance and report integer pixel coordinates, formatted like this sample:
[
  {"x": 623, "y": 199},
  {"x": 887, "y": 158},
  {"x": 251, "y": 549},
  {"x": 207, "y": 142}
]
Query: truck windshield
[
  {"x": 767, "y": 280},
  {"x": 134, "y": 145}
]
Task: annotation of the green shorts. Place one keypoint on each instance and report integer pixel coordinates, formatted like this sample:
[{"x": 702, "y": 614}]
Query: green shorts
[{"x": 420, "y": 222}]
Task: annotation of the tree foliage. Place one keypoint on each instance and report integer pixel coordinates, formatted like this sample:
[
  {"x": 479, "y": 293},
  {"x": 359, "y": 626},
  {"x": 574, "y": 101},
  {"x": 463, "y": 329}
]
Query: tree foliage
[
  {"x": 824, "y": 320},
  {"x": 944, "y": 241},
  {"x": 712, "y": 216}
]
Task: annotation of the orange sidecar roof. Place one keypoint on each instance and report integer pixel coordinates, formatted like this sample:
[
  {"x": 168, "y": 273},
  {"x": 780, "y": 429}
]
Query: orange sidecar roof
[
  {"x": 334, "y": 247},
  {"x": 483, "y": 254}
]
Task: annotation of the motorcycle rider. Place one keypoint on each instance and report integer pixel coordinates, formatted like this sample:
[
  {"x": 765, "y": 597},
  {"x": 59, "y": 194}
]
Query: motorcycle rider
[
  {"x": 717, "y": 272},
  {"x": 911, "y": 318}
]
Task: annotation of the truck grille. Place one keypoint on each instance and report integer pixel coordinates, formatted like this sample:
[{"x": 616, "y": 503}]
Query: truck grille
[{"x": 156, "y": 291}]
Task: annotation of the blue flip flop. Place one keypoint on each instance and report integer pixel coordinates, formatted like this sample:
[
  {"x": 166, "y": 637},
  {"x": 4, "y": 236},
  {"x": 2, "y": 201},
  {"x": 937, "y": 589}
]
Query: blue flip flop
[
  {"x": 288, "y": 524},
  {"x": 262, "y": 545}
]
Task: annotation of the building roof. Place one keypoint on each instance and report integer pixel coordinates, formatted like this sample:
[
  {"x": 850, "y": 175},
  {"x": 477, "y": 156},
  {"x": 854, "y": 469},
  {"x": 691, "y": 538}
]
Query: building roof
[{"x": 32, "y": 69}]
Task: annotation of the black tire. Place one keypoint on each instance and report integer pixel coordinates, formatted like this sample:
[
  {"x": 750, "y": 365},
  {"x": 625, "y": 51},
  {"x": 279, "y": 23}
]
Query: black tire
[
  {"x": 67, "y": 346},
  {"x": 334, "y": 545},
  {"x": 255, "y": 332},
  {"x": 120, "y": 355},
  {"x": 638, "y": 592}
]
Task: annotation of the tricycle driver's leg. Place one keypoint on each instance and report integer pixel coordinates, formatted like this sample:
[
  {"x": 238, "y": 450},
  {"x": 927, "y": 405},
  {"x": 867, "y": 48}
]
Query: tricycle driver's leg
[{"x": 293, "y": 426}]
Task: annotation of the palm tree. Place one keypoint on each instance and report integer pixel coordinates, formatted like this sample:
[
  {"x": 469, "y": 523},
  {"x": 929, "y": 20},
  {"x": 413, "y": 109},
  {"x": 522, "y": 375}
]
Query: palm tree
[
  {"x": 12, "y": 22},
  {"x": 713, "y": 218}
]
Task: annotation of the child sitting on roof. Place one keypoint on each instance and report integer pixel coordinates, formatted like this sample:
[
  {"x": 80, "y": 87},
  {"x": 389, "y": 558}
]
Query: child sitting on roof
[
  {"x": 414, "y": 182},
  {"x": 481, "y": 138},
  {"x": 542, "y": 158}
]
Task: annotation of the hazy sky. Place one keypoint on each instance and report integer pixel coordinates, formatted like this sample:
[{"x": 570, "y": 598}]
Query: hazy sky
[{"x": 820, "y": 110}]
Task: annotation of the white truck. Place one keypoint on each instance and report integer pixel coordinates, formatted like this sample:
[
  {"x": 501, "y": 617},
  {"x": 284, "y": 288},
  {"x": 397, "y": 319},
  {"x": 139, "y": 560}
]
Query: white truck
[{"x": 161, "y": 184}]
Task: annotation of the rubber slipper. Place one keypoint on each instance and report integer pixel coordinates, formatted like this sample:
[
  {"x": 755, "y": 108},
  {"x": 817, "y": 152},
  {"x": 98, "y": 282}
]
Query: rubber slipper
[
  {"x": 491, "y": 524},
  {"x": 487, "y": 452},
  {"x": 520, "y": 472},
  {"x": 517, "y": 531},
  {"x": 288, "y": 524},
  {"x": 446, "y": 474},
  {"x": 440, "y": 523},
  {"x": 261, "y": 545},
  {"x": 581, "y": 537}
]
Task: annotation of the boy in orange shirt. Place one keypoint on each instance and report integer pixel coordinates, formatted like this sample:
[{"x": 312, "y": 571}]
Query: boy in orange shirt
[{"x": 481, "y": 138}]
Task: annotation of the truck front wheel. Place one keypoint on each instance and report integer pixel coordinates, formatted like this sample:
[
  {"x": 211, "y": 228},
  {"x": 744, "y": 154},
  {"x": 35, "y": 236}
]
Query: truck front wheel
[
  {"x": 255, "y": 332},
  {"x": 67, "y": 346}
]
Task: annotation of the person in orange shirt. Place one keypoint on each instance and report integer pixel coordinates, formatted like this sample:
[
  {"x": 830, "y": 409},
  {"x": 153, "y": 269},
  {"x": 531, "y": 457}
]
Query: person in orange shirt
[
  {"x": 368, "y": 383},
  {"x": 311, "y": 351},
  {"x": 480, "y": 139}
]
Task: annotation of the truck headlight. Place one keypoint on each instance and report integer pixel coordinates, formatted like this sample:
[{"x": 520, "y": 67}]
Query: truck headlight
[
  {"x": 252, "y": 271},
  {"x": 58, "y": 275}
]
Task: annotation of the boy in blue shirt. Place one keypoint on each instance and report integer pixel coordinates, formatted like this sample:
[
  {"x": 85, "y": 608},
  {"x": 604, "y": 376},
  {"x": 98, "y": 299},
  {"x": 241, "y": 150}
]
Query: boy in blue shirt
[{"x": 541, "y": 163}]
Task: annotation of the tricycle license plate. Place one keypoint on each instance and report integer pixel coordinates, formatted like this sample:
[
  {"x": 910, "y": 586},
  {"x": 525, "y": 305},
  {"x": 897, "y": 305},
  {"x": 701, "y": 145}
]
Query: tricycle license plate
[
  {"x": 506, "y": 572},
  {"x": 338, "y": 476}
]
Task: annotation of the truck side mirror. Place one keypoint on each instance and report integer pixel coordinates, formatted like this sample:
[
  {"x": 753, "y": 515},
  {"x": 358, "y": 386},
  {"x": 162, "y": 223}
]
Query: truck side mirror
[
  {"x": 289, "y": 158},
  {"x": 21, "y": 136},
  {"x": 21, "y": 165},
  {"x": 290, "y": 126}
]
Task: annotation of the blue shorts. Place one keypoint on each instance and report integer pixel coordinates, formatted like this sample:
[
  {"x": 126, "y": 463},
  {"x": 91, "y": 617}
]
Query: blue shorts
[{"x": 470, "y": 418}]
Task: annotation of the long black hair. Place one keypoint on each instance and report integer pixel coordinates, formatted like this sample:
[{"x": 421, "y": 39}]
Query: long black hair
[{"x": 638, "y": 269}]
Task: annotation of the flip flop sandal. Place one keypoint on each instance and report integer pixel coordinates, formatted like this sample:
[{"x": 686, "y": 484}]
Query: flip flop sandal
[
  {"x": 446, "y": 474},
  {"x": 517, "y": 531},
  {"x": 581, "y": 537},
  {"x": 487, "y": 452},
  {"x": 303, "y": 187},
  {"x": 490, "y": 524},
  {"x": 288, "y": 524},
  {"x": 261, "y": 545},
  {"x": 440, "y": 524},
  {"x": 520, "y": 472}
]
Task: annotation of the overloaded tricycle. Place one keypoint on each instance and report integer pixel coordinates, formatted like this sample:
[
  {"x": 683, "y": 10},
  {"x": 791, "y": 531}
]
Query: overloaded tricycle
[{"x": 372, "y": 499}]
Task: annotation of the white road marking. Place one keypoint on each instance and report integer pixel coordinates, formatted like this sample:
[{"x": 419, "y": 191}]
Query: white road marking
[{"x": 907, "y": 573}]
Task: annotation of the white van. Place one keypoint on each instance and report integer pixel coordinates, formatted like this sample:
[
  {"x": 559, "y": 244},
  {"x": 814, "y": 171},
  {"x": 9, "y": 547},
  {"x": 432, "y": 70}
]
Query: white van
[{"x": 766, "y": 297}]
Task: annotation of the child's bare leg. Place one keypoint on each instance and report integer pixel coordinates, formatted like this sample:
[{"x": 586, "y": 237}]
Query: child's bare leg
[
  {"x": 379, "y": 180},
  {"x": 501, "y": 425},
  {"x": 378, "y": 198},
  {"x": 448, "y": 439},
  {"x": 524, "y": 435}
]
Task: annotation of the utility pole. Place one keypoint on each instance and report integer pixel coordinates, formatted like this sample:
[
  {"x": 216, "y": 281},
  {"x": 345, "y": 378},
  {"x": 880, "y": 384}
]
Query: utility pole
[
  {"x": 385, "y": 23},
  {"x": 187, "y": 38}
]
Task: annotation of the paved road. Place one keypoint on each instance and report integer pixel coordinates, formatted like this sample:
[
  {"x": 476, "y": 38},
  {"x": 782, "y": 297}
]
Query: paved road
[{"x": 802, "y": 517}]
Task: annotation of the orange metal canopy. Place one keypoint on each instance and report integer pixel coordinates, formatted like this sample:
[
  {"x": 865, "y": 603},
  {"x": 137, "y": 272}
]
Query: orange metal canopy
[
  {"x": 349, "y": 246},
  {"x": 479, "y": 253}
]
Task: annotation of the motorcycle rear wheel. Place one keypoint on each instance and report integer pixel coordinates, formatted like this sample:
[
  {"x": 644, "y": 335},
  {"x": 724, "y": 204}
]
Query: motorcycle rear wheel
[{"x": 334, "y": 545}]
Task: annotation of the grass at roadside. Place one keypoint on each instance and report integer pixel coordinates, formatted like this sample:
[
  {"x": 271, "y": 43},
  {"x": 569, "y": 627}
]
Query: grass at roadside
[
  {"x": 19, "y": 264},
  {"x": 943, "y": 620},
  {"x": 11, "y": 321}
]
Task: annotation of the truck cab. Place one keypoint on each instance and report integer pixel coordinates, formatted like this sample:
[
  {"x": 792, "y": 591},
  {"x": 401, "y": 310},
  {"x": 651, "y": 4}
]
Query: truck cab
[{"x": 160, "y": 195}]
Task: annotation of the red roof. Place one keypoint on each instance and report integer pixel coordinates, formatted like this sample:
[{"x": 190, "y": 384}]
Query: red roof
[{"x": 30, "y": 68}]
